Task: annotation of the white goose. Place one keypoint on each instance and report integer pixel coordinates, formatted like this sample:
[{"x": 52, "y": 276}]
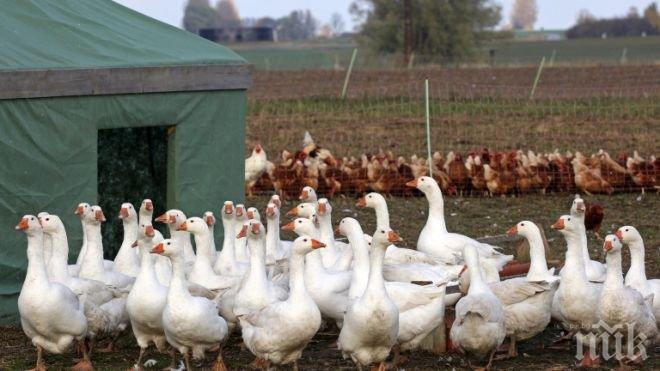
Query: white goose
[
  {"x": 636, "y": 276},
  {"x": 308, "y": 194},
  {"x": 527, "y": 301},
  {"x": 96, "y": 291},
  {"x": 279, "y": 332},
  {"x": 174, "y": 218},
  {"x": 162, "y": 265},
  {"x": 256, "y": 291},
  {"x": 240, "y": 243},
  {"x": 620, "y": 306},
  {"x": 126, "y": 261},
  {"x": 435, "y": 240},
  {"x": 336, "y": 255},
  {"x": 478, "y": 328},
  {"x": 253, "y": 213},
  {"x": 190, "y": 323},
  {"x": 209, "y": 218},
  {"x": 226, "y": 263},
  {"x": 393, "y": 255},
  {"x": 202, "y": 272},
  {"x": 421, "y": 308},
  {"x": 275, "y": 248},
  {"x": 92, "y": 265},
  {"x": 51, "y": 315},
  {"x": 83, "y": 209},
  {"x": 328, "y": 288},
  {"x": 577, "y": 299},
  {"x": 371, "y": 323},
  {"x": 146, "y": 301},
  {"x": 595, "y": 269}
]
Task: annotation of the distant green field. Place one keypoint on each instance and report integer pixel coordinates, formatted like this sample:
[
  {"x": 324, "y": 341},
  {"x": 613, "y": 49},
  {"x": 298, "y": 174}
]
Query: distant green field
[{"x": 331, "y": 54}]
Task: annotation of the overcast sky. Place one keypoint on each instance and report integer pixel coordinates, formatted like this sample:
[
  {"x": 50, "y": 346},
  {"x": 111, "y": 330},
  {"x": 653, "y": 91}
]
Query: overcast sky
[{"x": 552, "y": 13}]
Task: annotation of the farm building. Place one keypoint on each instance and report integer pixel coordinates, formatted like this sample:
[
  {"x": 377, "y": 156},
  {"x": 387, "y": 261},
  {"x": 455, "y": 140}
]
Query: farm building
[{"x": 71, "y": 68}]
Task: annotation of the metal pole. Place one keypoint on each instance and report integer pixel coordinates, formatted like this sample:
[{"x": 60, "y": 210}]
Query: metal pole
[
  {"x": 348, "y": 73},
  {"x": 536, "y": 79},
  {"x": 624, "y": 58},
  {"x": 428, "y": 127},
  {"x": 552, "y": 58}
]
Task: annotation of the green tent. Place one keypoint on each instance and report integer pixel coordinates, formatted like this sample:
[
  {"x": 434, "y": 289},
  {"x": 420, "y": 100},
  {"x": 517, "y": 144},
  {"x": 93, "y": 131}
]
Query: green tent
[{"x": 69, "y": 68}]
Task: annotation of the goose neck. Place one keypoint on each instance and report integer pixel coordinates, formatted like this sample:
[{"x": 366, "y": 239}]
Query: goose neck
[
  {"x": 130, "y": 231},
  {"x": 272, "y": 235},
  {"x": 574, "y": 264},
  {"x": 360, "y": 274},
  {"x": 436, "y": 210},
  {"x": 382, "y": 215},
  {"x": 57, "y": 266},
  {"x": 538, "y": 268},
  {"x": 297, "y": 288},
  {"x": 637, "y": 257},
  {"x": 36, "y": 271},
  {"x": 614, "y": 276},
  {"x": 376, "y": 284},
  {"x": 94, "y": 253},
  {"x": 203, "y": 243},
  {"x": 257, "y": 258},
  {"x": 83, "y": 247},
  {"x": 178, "y": 287}
]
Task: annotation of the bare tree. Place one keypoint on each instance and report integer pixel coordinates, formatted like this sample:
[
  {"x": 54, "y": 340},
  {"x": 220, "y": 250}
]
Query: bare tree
[
  {"x": 632, "y": 12},
  {"x": 584, "y": 16},
  {"x": 337, "y": 23},
  {"x": 523, "y": 14},
  {"x": 228, "y": 14}
]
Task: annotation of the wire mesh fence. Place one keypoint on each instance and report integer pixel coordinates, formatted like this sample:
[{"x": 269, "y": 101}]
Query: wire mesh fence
[{"x": 591, "y": 129}]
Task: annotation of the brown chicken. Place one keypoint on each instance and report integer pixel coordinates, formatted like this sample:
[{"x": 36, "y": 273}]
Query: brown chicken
[{"x": 593, "y": 217}]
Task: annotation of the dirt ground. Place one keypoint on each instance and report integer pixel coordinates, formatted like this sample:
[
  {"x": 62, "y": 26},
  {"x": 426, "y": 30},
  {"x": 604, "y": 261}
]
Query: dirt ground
[
  {"x": 508, "y": 82},
  {"x": 476, "y": 217}
]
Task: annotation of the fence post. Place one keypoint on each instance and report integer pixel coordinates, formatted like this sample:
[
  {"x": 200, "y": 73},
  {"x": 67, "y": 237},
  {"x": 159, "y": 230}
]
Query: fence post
[
  {"x": 624, "y": 57},
  {"x": 348, "y": 73},
  {"x": 552, "y": 58},
  {"x": 536, "y": 79},
  {"x": 428, "y": 127}
]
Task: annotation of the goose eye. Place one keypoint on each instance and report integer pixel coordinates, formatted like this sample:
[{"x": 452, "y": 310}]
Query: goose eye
[
  {"x": 305, "y": 240},
  {"x": 192, "y": 221},
  {"x": 302, "y": 206},
  {"x": 569, "y": 219},
  {"x": 522, "y": 224},
  {"x": 168, "y": 244},
  {"x": 47, "y": 219},
  {"x": 383, "y": 232},
  {"x": 299, "y": 221},
  {"x": 626, "y": 229},
  {"x": 422, "y": 179}
]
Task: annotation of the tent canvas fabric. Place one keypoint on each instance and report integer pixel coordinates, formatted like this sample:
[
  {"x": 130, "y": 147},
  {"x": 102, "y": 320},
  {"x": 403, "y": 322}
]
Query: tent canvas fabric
[{"x": 49, "y": 144}]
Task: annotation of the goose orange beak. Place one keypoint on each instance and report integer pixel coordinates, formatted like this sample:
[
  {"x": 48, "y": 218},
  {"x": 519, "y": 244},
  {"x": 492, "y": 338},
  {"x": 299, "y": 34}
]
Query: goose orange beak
[
  {"x": 149, "y": 231},
  {"x": 289, "y": 227},
  {"x": 412, "y": 183},
  {"x": 317, "y": 244},
  {"x": 250, "y": 214},
  {"x": 183, "y": 227},
  {"x": 98, "y": 215},
  {"x": 322, "y": 208},
  {"x": 293, "y": 212},
  {"x": 607, "y": 246},
  {"x": 362, "y": 202},
  {"x": 79, "y": 210},
  {"x": 239, "y": 212},
  {"x": 158, "y": 249},
  {"x": 559, "y": 224},
  {"x": 209, "y": 221},
  {"x": 270, "y": 211},
  {"x": 243, "y": 232},
  {"x": 619, "y": 235},
  {"x": 163, "y": 219},
  {"x": 337, "y": 230},
  {"x": 123, "y": 213},
  {"x": 303, "y": 195},
  {"x": 134, "y": 244},
  {"x": 276, "y": 200},
  {"x": 512, "y": 231},
  {"x": 257, "y": 148},
  {"x": 148, "y": 205},
  {"x": 393, "y": 237},
  {"x": 22, "y": 225},
  {"x": 229, "y": 209},
  {"x": 462, "y": 270},
  {"x": 255, "y": 228}
]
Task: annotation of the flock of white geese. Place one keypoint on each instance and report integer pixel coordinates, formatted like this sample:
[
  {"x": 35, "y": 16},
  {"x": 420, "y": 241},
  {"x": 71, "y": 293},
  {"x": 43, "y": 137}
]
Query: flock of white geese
[{"x": 385, "y": 299}]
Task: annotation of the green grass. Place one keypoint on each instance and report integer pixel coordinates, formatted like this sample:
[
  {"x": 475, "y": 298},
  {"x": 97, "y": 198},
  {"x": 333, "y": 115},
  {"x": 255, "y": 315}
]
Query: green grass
[{"x": 326, "y": 54}]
